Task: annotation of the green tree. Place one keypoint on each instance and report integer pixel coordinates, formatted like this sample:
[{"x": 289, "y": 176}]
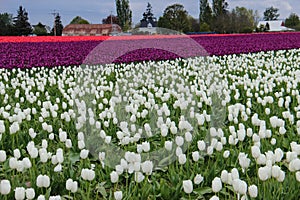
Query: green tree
[
  {"x": 124, "y": 14},
  {"x": 220, "y": 22},
  {"x": 243, "y": 19},
  {"x": 111, "y": 19},
  {"x": 175, "y": 17},
  {"x": 292, "y": 21},
  {"x": 21, "y": 23},
  {"x": 40, "y": 29},
  {"x": 6, "y": 24},
  {"x": 58, "y": 27},
  {"x": 271, "y": 13},
  {"x": 79, "y": 20},
  {"x": 205, "y": 16},
  {"x": 148, "y": 15},
  {"x": 219, "y": 7},
  {"x": 195, "y": 27}
]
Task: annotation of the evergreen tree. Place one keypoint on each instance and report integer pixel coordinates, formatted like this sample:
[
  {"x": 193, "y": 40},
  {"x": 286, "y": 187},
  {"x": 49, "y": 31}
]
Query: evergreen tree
[
  {"x": 219, "y": 7},
  {"x": 6, "y": 24},
  {"x": 21, "y": 24},
  {"x": 205, "y": 16},
  {"x": 40, "y": 29},
  {"x": 293, "y": 21},
  {"x": 58, "y": 28},
  {"x": 124, "y": 14},
  {"x": 148, "y": 15}
]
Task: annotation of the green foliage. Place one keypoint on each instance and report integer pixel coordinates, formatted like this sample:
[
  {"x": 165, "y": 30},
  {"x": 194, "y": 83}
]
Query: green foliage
[
  {"x": 205, "y": 16},
  {"x": 204, "y": 27},
  {"x": 271, "y": 13},
  {"x": 21, "y": 23},
  {"x": 148, "y": 15},
  {"x": 219, "y": 7},
  {"x": 195, "y": 27},
  {"x": 124, "y": 14},
  {"x": 58, "y": 27},
  {"x": 292, "y": 21},
  {"x": 6, "y": 24},
  {"x": 40, "y": 29},
  {"x": 111, "y": 18},
  {"x": 175, "y": 17},
  {"x": 79, "y": 20}
]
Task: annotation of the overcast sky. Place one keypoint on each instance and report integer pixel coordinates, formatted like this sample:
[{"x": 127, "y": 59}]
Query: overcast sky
[{"x": 95, "y": 10}]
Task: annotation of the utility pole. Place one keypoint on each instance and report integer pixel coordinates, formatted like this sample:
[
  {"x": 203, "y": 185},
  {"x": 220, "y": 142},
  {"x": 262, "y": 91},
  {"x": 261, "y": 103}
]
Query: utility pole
[
  {"x": 111, "y": 21},
  {"x": 55, "y": 14}
]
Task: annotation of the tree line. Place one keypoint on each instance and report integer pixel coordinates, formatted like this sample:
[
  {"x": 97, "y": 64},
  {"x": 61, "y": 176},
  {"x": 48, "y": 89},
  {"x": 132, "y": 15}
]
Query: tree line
[
  {"x": 20, "y": 26},
  {"x": 215, "y": 17}
]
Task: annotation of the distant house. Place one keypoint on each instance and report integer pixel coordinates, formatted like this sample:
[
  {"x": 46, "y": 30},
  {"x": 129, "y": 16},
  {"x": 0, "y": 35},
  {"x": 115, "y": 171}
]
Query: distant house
[
  {"x": 91, "y": 29},
  {"x": 274, "y": 26},
  {"x": 148, "y": 23}
]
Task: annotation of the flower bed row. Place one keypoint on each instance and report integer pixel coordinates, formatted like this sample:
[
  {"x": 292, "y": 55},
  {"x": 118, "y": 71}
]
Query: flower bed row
[
  {"x": 25, "y": 52},
  {"x": 224, "y": 127}
]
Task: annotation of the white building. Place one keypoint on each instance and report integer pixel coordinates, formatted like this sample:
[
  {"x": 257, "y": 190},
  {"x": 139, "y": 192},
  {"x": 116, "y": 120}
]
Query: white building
[{"x": 275, "y": 26}]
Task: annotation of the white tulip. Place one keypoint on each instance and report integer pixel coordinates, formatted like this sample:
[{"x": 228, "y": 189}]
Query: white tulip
[
  {"x": 255, "y": 151},
  {"x": 2, "y": 126},
  {"x": 253, "y": 191},
  {"x": 13, "y": 163},
  {"x": 168, "y": 145},
  {"x": 43, "y": 181},
  {"x": 5, "y": 187},
  {"x": 214, "y": 198},
  {"x": 216, "y": 185},
  {"x": 138, "y": 177},
  {"x": 298, "y": 176},
  {"x": 41, "y": 197},
  {"x": 226, "y": 154},
  {"x": 30, "y": 194},
  {"x": 26, "y": 163},
  {"x": 179, "y": 141},
  {"x": 182, "y": 159},
  {"x": 198, "y": 179},
  {"x": 264, "y": 173},
  {"x": 17, "y": 153},
  {"x": 146, "y": 146},
  {"x": 32, "y": 133},
  {"x": 118, "y": 195},
  {"x": 224, "y": 176},
  {"x": 201, "y": 145},
  {"x": 62, "y": 136},
  {"x": 235, "y": 173},
  {"x": 84, "y": 153},
  {"x": 114, "y": 177},
  {"x": 188, "y": 137},
  {"x": 2, "y": 155},
  {"x": 195, "y": 156},
  {"x": 69, "y": 143},
  {"x": 187, "y": 186},
  {"x": 147, "y": 167},
  {"x": 294, "y": 165},
  {"x": 19, "y": 193},
  {"x": 58, "y": 168}
]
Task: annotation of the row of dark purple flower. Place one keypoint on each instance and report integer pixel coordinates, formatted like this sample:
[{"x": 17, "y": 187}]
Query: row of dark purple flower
[{"x": 49, "y": 54}]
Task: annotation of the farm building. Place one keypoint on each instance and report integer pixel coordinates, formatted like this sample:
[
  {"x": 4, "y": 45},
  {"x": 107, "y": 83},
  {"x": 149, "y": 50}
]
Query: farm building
[
  {"x": 91, "y": 29},
  {"x": 274, "y": 26}
]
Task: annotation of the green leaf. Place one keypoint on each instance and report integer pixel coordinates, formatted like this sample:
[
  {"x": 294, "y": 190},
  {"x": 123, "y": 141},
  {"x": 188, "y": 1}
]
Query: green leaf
[
  {"x": 74, "y": 157},
  {"x": 202, "y": 191}
]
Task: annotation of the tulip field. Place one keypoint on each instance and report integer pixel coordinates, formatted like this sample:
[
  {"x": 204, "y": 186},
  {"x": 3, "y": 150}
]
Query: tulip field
[{"x": 219, "y": 122}]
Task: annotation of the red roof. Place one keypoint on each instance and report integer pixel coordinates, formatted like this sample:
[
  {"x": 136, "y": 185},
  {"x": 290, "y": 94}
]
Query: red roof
[{"x": 91, "y": 29}]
